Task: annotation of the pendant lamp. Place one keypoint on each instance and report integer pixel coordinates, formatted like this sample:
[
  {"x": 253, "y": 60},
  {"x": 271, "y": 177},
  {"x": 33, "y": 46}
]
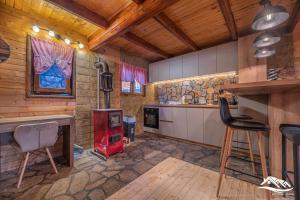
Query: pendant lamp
[
  {"x": 270, "y": 17},
  {"x": 266, "y": 39},
  {"x": 264, "y": 52}
]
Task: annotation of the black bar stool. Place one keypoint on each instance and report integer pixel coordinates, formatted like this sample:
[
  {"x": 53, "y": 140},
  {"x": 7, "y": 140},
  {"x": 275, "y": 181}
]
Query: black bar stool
[
  {"x": 234, "y": 124},
  {"x": 292, "y": 133}
]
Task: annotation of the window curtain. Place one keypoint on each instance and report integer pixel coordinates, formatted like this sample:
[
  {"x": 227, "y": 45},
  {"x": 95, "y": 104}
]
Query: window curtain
[
  {"x": 140, "y": 75},
  {"x": 129, "y": 73},
  {"x": 47, "y": 53}
]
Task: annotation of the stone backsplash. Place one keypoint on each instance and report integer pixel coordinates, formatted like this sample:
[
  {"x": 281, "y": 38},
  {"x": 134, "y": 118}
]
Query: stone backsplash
[{"x": 194, "y": 91}]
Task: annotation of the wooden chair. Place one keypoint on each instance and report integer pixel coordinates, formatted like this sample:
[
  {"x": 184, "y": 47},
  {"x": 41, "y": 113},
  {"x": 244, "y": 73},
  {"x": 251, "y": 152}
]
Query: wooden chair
[
  {"x": 32, "y": 137},
  {"x": 233, "y": 125}
]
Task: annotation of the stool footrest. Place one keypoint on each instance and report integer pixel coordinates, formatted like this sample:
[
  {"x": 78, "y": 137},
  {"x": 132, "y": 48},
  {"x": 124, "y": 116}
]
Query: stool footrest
[
  {"x": 244, "y": 159},
  {"x": 231, "y": 169}
]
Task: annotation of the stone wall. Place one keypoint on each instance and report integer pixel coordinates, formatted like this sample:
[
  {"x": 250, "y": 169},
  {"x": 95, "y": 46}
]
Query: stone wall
[{"x": 194, "y": 91}]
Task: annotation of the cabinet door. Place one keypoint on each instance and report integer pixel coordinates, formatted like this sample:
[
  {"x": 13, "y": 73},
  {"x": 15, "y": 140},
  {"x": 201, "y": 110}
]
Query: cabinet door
[
  {"x": 195, "y": 125},
  {"x": 190, "y": 64},
  {"x": 180, "y": 123},
  {"x": 163, "y": 70},
  {"x": 176, "y": 67},
  {"x": 227, "y": 57},
  {"x": 214, "y": 129},
  {"x": 166, "y": 128},
  {"x": 208, "y": 61},
  {"x": 153, "y": 72},
  {"x": 166, "y": 113}
]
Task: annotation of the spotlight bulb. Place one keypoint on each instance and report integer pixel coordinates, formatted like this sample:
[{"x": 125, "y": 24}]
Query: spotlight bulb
[
  {"x": 36, "y": 28},
  {"x": 67, "y": 41},
  {"x": 51, "y": 33},
  {"x": 81, "y": 46}
]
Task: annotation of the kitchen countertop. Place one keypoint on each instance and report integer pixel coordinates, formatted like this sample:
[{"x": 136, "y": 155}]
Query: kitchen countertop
[{"x": 188, "y": 106}]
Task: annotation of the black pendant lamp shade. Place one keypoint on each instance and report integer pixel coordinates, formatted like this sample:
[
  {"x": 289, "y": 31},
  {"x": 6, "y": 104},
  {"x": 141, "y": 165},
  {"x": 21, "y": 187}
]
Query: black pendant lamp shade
[
  {"x": 266, "y": 39},
  {"x": 270, "y": 17},
  {"x": 264, "y": 52}
]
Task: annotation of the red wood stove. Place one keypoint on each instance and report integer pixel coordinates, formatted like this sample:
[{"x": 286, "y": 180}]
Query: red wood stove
[{"x": 108, "y": 131}]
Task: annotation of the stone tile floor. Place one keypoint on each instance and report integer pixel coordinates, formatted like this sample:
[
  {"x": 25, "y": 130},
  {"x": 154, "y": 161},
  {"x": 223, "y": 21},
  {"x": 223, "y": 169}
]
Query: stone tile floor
[{"x": 92, "y": 178}]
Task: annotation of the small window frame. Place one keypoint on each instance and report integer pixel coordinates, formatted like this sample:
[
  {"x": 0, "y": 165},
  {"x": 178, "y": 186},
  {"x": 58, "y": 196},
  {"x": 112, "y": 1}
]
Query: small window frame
[
  {"x": 33, "y": 89},
  {"x": 132, "y": 92}
]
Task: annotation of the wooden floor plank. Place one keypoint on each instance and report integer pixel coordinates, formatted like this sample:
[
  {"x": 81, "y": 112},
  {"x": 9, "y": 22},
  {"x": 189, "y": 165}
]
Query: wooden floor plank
[{"x": 174, "y": 179}]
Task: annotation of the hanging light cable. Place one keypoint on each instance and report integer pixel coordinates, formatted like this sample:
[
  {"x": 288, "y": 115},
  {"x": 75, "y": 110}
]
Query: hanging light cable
[{"x": 270, "y": 17}]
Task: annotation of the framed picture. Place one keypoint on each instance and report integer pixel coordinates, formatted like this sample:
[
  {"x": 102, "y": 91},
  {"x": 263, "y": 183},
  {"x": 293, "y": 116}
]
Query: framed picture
[{"x": 50, "y": 69}]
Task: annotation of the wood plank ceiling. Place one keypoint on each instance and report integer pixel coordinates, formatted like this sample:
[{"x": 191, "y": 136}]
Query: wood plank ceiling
[{"x": 152, "y": 32}]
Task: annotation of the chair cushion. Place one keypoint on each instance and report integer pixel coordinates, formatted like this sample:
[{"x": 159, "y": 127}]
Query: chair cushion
[
  {"x": 249, "y": 125},
  {"x": 291, "y": 132}
]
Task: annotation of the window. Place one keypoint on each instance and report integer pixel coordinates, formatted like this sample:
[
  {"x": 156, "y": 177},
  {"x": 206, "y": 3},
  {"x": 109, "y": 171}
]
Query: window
[
  {"x": 132, "y": 88},
  {"x": 126, "y": 87},
  {"x": 51, "y": 69}
]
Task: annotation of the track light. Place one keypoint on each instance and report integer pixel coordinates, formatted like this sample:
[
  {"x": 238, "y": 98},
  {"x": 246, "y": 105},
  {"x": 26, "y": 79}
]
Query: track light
[
  {"x": 51, "y": 33},
  {"x": 36, "y": 28}
]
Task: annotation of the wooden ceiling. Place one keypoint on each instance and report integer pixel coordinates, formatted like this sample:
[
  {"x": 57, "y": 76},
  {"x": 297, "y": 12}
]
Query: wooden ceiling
[{"x": 154, "y": 29}]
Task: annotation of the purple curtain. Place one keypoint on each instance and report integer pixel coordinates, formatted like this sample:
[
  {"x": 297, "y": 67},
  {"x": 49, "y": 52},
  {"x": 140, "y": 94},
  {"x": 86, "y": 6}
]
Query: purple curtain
[
  {"x": 127, "y": 72},
  {"x": 46, "y": 53},
  {"x": 140, "y": 75}
]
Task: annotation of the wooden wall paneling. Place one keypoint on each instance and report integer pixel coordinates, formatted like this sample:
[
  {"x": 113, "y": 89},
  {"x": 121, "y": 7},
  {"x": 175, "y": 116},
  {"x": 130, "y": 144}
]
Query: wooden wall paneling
[
  {"x": 165, "y": 41},
  {"x": 131, "y": 16},
  {"x": 82, "y": 12},
  {"x": 201, "y": 20},
  {"x": 228, "y": 16},
  {"x": 107, "y": 8},
  {"x": 166, "y": 22},
  {"x": 134, "y": 49},
  {"x": 253, "y": 74},
  {"x": 246, "y": 52},
  {"x": 56, "y": 15},
  {"x": 144, "y": 44},
  {"x": 294, "y": 18}
]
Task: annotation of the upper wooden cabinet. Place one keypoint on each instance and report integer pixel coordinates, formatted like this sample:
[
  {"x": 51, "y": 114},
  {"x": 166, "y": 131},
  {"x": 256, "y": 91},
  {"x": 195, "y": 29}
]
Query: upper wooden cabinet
[
  {"x": 208, "y": 61},
  {"x": 190, "y": 64},
  {"x": 227, "y": 57},
  {"x": 175, "y": 67},
  {"x": 163, "y": 70}
]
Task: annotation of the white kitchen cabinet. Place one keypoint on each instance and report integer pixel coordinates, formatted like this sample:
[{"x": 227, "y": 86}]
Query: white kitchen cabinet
[
  {"x": 214, "y": 129},
  {"x": 195, "y": 126},
  {"x": 227, "y": 57},
  {"x": 208, "y": 61},
  {"x": 166, "y": 128},
  {"x": 175, "y": 67},
  {"x": 163, "y": 70},
  {"x": 166, "y": 113},
  {"x": 190, "y": 64},
  {"x": 153, "y": 72},
  {"x": 180, "y": 123}
]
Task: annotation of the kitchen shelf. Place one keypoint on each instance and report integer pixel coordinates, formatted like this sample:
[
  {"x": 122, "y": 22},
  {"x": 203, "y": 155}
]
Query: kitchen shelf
[
  {"x": 263, "y": 87},
  {"x": 188, "y": 106}
]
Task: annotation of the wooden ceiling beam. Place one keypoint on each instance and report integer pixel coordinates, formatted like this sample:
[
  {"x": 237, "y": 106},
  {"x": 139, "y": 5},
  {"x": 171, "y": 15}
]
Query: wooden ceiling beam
[
  {"x": 81, "y": 12},
  {"x": 166, "y": 22},
  {"x": 229, "y": 19},
  {"x": 144, "y": 44},
  {"x": 131, "y": 16},
  {"x": 138, "y": 1},
  {"x": 294, "y": 18}
]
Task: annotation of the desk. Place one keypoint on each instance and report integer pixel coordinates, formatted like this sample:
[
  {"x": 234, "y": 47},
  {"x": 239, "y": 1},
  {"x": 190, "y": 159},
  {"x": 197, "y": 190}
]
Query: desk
[{"x": 9, "y": 125}]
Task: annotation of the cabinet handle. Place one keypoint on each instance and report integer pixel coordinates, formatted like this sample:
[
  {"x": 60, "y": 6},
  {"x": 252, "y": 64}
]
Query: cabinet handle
[{"x": 166, "y": 121}]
